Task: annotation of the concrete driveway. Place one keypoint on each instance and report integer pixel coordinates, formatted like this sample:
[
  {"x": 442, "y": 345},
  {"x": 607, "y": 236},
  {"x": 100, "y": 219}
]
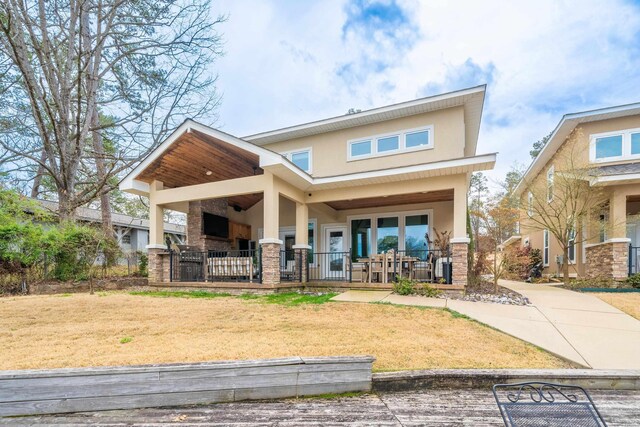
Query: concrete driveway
[{"x": 578, "y": 327}]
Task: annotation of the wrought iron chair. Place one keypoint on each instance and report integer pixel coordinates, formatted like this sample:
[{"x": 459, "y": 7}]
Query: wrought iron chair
[{"x": 545, "y": 404}]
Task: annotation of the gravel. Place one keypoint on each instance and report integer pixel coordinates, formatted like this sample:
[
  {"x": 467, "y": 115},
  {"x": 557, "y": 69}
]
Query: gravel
[{"x": 486, "y": 292}]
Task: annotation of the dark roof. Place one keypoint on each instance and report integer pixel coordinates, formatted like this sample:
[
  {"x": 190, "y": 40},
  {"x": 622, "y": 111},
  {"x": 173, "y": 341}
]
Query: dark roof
[{"x": 623, "y": 169}]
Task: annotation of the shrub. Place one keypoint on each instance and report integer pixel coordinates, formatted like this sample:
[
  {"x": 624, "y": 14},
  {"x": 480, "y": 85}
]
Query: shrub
[
  {"x": 403, "y": 286},
  {"x": 426, "y": 290},
  {"x": 143, "y": 264},
  {"x": 634, "y": 280}
]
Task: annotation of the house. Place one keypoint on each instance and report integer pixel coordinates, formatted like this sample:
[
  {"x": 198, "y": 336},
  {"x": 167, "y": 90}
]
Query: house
[
  {"x": 132, "y": 233},
  {"x": 607, "y": 142},
  {"x": 318, "y": 201}
]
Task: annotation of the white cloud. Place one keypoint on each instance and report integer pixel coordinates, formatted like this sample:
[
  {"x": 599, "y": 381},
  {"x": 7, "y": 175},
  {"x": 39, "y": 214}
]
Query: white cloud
[{"x": 542, "y": 59}]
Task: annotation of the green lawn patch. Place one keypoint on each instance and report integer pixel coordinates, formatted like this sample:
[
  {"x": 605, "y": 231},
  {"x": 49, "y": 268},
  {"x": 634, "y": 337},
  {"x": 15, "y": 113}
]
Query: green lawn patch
[
  {"x": 293, "y": 298},
  {"x": 180, "y": 294}
]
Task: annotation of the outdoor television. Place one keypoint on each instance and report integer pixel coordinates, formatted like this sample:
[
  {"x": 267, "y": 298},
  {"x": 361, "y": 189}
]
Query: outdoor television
[{"x": 215, "y": 225}]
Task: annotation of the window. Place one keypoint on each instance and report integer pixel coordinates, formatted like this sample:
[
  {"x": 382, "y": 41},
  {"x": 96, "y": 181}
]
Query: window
[
  {"x": 545, "y": 251},
  {"x": 417, "y": 139},
  {"x": 635, "y": 143},
  {"x": 360, "y": 238},
  {"x": 311, "y": 236},
  {"x": 416, "y": 228},
  {"x": 387, "y": 234},
  {"x": 126, "y": 239},
  {"x": 572, "y": 246},
  {"x": 389, "y": 143},
  {"x": 612, "y": 146},
  {"x": 360, "y": 148},
  {"x": 530, "y": 203},
  {"x": 384, "y": 145},
  {"x": 301, "y": 158},
  {"x": 550, "y": 184}
]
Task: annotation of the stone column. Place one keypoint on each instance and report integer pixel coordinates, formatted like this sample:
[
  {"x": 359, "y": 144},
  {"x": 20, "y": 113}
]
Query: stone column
[
  {"x": 301, "y": 254},
  {"x": 608, "y": 260},
  {"x": 459, "y": 253},
  {"x": 270, "y": 259},
  {"x": 159, "y": 265}
]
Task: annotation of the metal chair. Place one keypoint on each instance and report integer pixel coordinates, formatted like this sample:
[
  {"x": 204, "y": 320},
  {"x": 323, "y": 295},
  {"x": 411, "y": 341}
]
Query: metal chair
[{"x": 545, "y": 404}]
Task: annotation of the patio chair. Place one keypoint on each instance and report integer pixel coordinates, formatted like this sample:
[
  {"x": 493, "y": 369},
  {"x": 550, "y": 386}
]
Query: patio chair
[{"x": 546, "y": 404}]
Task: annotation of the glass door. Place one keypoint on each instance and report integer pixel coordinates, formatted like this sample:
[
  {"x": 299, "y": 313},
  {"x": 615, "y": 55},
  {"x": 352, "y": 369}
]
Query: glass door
[{"x": 335, "y": 249}]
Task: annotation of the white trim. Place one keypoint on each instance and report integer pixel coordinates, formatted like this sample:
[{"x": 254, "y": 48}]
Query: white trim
[
  {"x": 425, "y": 167},
  {"x": 550, "y": 182},
  {"x": 614, "y": 178},
  {"x": 156, "y": 246},
  {"x": 289, "y": 155},
  {"x": 301, "y": 247},
  {"x": 612, "y": 240},
  {"x": 460, "y": 240},
  {"x": 408, "y": 106},
  {"x": 402, "y": 143},
  {"x": 270, "y": 240},
  {"x": 530, "y": 204},
  {"x": 626, "y": 145}
]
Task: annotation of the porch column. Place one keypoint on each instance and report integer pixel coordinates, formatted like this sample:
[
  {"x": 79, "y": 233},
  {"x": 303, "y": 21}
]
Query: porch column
[
  {"x": 610, "y": 259},
  {"x": 157, "y": 250},
  {"x": 459, "y": 241},
  {"x": 270, "y": 244},
  {"x": 301, "y": 248}
]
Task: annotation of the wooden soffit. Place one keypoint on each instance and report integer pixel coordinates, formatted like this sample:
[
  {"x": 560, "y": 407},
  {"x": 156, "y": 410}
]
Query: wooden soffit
[
  {"x": 194, "y": 154},
  {"x": 400, "y": 199}
]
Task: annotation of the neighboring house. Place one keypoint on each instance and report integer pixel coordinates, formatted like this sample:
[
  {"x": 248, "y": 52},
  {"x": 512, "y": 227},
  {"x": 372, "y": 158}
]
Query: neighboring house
[
  {"x": 608, "y": 142},
  {"x": 132, "y": 233},
  {"x": 343, "y": 188}
]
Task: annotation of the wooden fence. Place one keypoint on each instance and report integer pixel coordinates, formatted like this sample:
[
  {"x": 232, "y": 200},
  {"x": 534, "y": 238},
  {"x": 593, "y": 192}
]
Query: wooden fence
[{"x": 90, "y": 389}]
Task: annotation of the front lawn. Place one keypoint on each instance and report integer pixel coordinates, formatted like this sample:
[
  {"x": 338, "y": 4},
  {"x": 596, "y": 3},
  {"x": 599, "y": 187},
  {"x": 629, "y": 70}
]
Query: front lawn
[
  {"x": 627, "y": 302},
  {"x": 125, "y": 329}
]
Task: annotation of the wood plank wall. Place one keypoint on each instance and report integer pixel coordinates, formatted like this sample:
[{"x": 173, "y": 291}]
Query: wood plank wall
[{"x": 90, "y": 389}]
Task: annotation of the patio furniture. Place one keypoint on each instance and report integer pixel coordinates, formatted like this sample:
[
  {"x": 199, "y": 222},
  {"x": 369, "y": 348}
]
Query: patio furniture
[
  {"x": 546, "y": 404},
  {"x": 230, "y": 267},
  {"x": 377, "y": 267},
  {"x": 359, "y": 269}
]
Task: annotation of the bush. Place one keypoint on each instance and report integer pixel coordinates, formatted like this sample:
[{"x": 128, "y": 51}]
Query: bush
[
  {"x": 403, "y": 286},
  {"x": 426, "y": 290},
  {"x": 634, "y": 280},
  {"x": 143, "y": 264},
  {"x": 518, "y": 262}
]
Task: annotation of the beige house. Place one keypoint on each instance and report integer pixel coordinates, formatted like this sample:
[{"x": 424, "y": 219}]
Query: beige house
[
  {"x": 320, "y": 201},
  {"x": 607, "y": 141}
]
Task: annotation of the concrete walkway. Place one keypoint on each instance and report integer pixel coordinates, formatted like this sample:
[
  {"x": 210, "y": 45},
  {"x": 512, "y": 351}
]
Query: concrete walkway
[{"x": 578, "y": 327}]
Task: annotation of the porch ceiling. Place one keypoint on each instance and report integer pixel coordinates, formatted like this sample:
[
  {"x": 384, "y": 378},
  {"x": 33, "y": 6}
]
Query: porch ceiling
[
  {"x": 194, "y": 153},
  {"x": 189, "y": 158},
  {"x": 400, "y": 199}
]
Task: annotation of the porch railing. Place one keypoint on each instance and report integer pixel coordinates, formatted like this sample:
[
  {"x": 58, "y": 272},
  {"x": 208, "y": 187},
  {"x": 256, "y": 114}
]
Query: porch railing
[
  {"x": 424, "y": 265},
  {"x": 215, "y": 266},
  {"x": 330, "y": 267},
  {"x": 634, "y": 260}
]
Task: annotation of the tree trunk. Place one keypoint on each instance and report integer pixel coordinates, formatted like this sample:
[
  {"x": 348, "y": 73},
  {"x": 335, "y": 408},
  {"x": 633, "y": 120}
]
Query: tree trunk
[
  {"x": 565, "y": 265},
  {"x": 65, "y": 210},
  {"x": 35, "y": 190},
  {"x": 98, "y": 147}
]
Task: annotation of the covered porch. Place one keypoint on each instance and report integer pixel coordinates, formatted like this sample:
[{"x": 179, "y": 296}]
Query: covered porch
[{"x": 256, "y": 220}]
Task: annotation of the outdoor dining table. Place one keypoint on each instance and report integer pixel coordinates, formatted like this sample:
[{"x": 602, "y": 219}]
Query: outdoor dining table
[{"x": 388, "y": 265}]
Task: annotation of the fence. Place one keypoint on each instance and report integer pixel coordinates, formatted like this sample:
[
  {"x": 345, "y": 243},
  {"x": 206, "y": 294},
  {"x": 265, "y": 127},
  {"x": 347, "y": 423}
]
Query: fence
[
  {"x": 215, "y": 266},
  {"x": 634, "y": 260},
  {"x": 330, "y": 266}
]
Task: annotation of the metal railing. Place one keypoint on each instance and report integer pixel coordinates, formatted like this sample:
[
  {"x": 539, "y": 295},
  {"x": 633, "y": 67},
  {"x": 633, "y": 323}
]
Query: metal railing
[
  {"x": 424, "y": 265},
  {"x": 215, "y": 266},
  {"x": 634, "y": 260},
  {"x": 330, "y": 266}
]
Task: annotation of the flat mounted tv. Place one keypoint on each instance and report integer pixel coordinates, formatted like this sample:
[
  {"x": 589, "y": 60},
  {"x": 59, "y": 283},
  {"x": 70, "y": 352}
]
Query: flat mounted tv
[{"x": 215, "y": 225}]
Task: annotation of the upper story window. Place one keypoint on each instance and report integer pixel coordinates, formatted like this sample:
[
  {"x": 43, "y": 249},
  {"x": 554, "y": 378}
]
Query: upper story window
[
  {"x": 530, "y": 203},
  {"x": 550, "y": 173},
  {"x": 387, "y": 144},
  {"x": 301, "y": 158},
  {"x": 613, "y": 146}
]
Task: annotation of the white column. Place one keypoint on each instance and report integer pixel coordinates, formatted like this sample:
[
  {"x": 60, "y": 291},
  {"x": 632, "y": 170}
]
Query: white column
[
  {"x": 156, "y": 218},
  {"x": 302, "y": 226},
  {"x": 271, "y": 213}
]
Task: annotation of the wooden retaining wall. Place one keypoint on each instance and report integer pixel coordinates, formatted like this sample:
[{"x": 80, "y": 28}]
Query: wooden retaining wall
[{"x": 32, "y": 392}]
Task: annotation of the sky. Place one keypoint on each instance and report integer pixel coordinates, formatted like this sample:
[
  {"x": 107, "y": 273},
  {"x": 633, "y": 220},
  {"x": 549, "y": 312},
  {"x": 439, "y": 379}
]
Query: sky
[{"x": 290, "y": 62}]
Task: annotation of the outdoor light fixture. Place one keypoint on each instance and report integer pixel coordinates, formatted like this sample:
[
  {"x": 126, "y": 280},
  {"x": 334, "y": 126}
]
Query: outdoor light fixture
[{"x": 208, "y": 173}]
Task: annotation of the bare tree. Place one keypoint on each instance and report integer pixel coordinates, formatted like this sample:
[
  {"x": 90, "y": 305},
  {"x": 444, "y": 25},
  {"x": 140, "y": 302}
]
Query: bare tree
[
  {"x": 76, "y": 74},
  {"x": 562, "y": 201}
]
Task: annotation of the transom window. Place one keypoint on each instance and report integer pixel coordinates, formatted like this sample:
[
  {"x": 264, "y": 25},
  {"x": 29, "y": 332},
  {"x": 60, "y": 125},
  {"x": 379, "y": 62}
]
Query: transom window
[
  {"x": 383, "y": 145},
  {"x": 301, "y": 158},
  {"x": 550, "y": 173},
  {"x": 612, "y": 146}
]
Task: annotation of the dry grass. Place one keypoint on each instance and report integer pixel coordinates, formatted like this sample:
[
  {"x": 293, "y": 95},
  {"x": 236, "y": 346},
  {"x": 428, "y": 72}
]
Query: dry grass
[
  {"x": 627, "y": 302},
  {"x": 122, "y": 329}
]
